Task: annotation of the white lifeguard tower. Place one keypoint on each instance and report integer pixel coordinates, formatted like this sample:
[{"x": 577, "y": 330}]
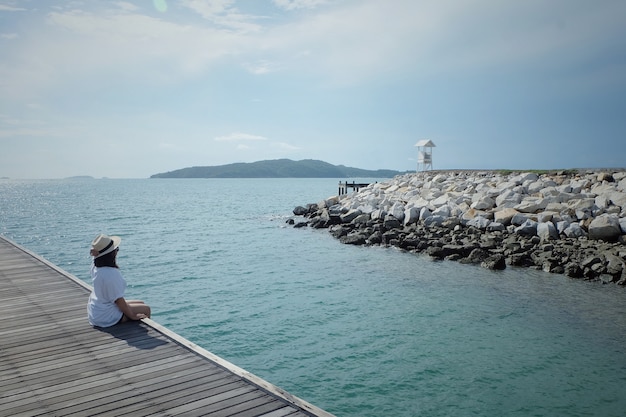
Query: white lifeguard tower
[{"x": 424, "y": 155}]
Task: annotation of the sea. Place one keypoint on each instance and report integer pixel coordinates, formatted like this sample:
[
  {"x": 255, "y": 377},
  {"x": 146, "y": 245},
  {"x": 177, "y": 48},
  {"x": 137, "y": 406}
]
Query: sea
[{"x": 357, "y": 331}]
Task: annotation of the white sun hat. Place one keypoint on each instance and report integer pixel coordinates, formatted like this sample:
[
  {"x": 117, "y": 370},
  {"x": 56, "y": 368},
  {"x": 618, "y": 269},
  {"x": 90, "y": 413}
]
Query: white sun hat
[{"x": 104, "y": 244}]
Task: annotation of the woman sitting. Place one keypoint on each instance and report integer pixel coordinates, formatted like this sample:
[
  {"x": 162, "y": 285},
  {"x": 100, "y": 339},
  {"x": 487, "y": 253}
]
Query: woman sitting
[{"x": 107, "y": 305}]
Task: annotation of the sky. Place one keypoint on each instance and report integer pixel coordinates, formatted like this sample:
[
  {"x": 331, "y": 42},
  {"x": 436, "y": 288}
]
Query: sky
[{"x": 127, "y": 89}]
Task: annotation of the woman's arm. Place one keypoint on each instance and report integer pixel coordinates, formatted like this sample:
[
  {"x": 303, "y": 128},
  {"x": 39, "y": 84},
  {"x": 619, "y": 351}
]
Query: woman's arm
[{"x": 128, "y": 311}]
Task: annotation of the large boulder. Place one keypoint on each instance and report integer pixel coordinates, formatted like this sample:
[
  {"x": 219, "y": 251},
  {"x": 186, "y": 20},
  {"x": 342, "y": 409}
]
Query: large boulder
[
  {"x": 496, "y": 227},
  {"x": 528, "y": 228},
  {"x": 350, "y": 215},
  {"x": 618, "y": 198},
  {"x": 443, "y": 210},
  {"x": 411, "y": 215},
  {"x": 483, "y": 203},
  {"x": 504, "y": 216},
  {"x": 397, "y": 211},
  {"x": 546, "y": 231},
  {"x": 508, "y": 199},
  {"x": 479, "y": 222},
  {"x": 519, "y": 219},
  {"x": 425, "y": 213},
  {"x": 434, "y": 221},
  {"x": 574, "y": 231},
  {"x": 496, "y": 262},
  {"x": 531, "y": 205},
  {"x": 605, "y": 227},
  {"x": 391, "y": 222}
]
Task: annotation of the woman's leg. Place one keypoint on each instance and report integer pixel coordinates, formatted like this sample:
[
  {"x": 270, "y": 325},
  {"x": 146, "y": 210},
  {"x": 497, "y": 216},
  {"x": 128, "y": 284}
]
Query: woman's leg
[{"x": 138, "y": 307}]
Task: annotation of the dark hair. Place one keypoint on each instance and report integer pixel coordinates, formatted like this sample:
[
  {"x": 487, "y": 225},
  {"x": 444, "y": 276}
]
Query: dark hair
[{"x": 106, "y": 260}]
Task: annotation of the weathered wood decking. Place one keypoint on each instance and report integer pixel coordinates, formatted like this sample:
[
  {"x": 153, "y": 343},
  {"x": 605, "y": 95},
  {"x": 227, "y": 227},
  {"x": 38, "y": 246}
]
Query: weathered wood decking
[{"x": 52, "y": 362}]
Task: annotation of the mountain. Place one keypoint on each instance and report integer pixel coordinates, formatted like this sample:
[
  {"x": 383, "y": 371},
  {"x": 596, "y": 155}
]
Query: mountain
[{"x": 278, "y": 168}]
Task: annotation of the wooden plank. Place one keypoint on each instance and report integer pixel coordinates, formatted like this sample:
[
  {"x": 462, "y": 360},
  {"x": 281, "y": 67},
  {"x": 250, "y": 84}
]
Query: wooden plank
[{"x": 52, "y": 362}]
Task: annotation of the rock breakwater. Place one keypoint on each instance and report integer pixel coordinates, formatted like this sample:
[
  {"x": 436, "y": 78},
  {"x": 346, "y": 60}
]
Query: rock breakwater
[{"x": 570, "y": 222}]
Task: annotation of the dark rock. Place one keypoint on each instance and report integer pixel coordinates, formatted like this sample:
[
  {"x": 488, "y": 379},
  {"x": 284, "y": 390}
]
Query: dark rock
[
  {"x": 375, "y": 238},
  {"x": 614, "y": 264},
  {"x": 300, "y": 211},
  {"x": 389, "y": 236},
  {"x": 436, "y": 252},
  {"x": 573, "y": 270},
  {"x": 391, "y": 222},
  {"x": 339, "y": 230},
  {"x": 496, "y": 262},
  {"x": 353, "y": 239},
  {"x": 476, "y": 256},
  {"x": 520, "y": 259},
  {"x": 361, "y": 219},
  {"x": 606, "y": 278},
  {"x": 300, "y": 224},
  {"x": 350, "y": 215}
]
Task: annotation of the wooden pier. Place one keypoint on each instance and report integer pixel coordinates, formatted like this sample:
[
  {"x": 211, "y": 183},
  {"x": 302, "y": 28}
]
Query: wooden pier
[
  {"x": 53, "y": 363},
  {"x": 344, "y": 186}
]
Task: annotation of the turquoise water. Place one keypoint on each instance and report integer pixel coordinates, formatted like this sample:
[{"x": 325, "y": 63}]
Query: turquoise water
[{"x": 356, "y": 331}]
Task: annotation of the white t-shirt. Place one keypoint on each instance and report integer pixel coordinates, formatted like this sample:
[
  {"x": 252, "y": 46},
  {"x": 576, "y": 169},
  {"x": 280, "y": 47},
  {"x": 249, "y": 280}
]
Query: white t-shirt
[{"x": 108, "y": 286}]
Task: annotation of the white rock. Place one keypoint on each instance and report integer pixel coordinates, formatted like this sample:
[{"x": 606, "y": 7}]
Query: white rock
[
  {"x": 378, "y": 214},
  {"x": 574, "y": 230},
  {"x": 605, "y": 227},
  {"x": 508, "y": 198},
  {"x": 531, "y": 205},
  {"x": 562, "y": 225},
  {"x": 479, "y": 222},
  {"x": 443, "y": 211},
  {"x": 528, "y": 228},
  {"x": 436, "y": 221},
  {"x": 565, "y": 188},
  {"x": 585, "y": 203},
  {"x": 545, "y": 216},
  {"x": 483, "y": 203},
  {"x": 504, "y": 216},
  {"x": 440, "y": 201},
  {"x": 535, "y": 187},
  {"x": 411, "y": 215},
  {"x": 618, "y": 198},
  {"x": 397, "y": 211},
  {"x": 547, "y": 231},
  {"x": 496, "y": 227},
  {"x": 519, "y": 219}
]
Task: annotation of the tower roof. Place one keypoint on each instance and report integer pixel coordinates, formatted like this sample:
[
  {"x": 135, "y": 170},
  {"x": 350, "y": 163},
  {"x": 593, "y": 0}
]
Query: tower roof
[{"x": 426, "y": 142}]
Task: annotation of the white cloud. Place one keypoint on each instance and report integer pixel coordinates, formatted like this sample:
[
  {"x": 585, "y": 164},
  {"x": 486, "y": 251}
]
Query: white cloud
[
  {"x": 283, "y": 146},
  {"x": 262, "y": 67},
  {"x": 357, "y": 41},
  {"x": 127, "y": 6},
  {"x": 299, "y": 4},
  {"x": 353, "y": 41},
  {"x": 7, "y": 8},
  {"x": 238, "y": 136},
  {"x": 209, "y": 8},
  {"x": 223, "y": 14}
]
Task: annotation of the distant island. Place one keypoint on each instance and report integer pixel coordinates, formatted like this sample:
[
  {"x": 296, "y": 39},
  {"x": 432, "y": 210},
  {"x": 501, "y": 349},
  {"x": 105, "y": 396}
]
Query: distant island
[
  {"x": 80, "y": 177},
  {"x": 278, "y": 168}
]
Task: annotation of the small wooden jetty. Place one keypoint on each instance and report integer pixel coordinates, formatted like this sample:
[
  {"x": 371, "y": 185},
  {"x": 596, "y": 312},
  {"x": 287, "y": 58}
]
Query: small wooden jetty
[
  {"x": 356, "y": 186},
  {"x": 52, "y": 362}
]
